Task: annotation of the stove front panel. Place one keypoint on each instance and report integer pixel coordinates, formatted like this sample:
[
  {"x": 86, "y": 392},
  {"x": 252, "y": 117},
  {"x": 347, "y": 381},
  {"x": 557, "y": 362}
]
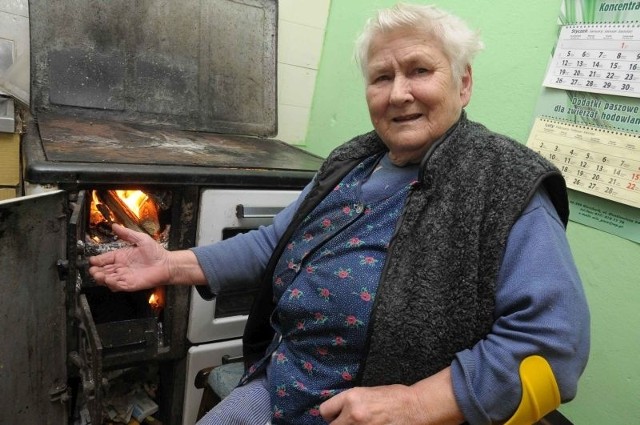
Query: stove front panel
[{"x": 223, "y": 213}]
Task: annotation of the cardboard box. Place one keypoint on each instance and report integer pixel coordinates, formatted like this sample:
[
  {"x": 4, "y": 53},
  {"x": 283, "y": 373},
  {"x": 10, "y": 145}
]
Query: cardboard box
[
  {"x": 8, "y": 193},
  {"x": 9, "y": 159}
]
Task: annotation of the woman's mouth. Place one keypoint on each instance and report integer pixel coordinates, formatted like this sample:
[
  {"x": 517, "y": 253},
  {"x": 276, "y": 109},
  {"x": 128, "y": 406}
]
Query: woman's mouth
[{"x": 405, "y": 118}]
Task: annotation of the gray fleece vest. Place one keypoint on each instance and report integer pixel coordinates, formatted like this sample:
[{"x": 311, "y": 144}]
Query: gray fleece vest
[{"x": 436, "y": 294}]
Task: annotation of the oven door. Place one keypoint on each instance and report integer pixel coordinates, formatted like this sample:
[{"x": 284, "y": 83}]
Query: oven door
[
  {"x": 224, "y": 213},
  {"x": 33, "y": 368}
]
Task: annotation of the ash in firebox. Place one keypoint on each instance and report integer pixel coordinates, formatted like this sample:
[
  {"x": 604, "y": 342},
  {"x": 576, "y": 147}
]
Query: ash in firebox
[{"x": 104, "y": 240}]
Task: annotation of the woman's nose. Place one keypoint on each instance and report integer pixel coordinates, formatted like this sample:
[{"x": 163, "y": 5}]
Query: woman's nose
[{"x": 400, "y": 91}]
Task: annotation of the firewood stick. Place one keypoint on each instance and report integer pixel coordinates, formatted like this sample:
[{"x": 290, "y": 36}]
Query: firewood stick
[
  {"x": 120, "y": 210},
  {"x": 149, "y": 219}
]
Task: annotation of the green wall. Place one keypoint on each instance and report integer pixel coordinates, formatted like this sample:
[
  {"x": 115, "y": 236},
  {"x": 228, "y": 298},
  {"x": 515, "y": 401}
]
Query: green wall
[{"x": 507, "y": 78}]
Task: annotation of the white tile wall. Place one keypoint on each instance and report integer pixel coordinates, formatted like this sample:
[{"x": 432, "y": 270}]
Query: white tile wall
[
  {"x": 14, "y": 49},
  {"x": 301, "y": 27}
]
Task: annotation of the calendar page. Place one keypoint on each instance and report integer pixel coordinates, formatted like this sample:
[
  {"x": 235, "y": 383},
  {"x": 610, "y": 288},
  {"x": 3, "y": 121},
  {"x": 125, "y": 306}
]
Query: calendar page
[
  {"x": 599, "y": 162},
  {"x": 597, "y": 58}
]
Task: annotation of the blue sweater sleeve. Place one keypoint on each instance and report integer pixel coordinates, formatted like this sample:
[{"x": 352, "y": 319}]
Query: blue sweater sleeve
[
  {"x": 540, "y": 308},
  {"x": 244, "y": 257}
]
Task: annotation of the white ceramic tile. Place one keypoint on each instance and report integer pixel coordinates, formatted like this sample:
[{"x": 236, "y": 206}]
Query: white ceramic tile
[
  {"x": 312, "y": 13},
  {"x": 14, "y": 73},
  {"x": 292, "y": 124},
  {"x": 295, "y": 85},
  {"x": 301, "y": 25},
  {"x": 299, "y": 45},
  {"x": 15, "y": 7}
]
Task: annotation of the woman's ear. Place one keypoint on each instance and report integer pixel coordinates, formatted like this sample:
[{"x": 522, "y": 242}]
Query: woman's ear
[{"x": 466, "y": 85}]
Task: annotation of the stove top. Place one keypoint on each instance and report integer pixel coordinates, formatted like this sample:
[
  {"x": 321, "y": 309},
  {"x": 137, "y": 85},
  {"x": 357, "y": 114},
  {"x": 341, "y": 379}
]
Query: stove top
[{"x": 77, "y": 150}]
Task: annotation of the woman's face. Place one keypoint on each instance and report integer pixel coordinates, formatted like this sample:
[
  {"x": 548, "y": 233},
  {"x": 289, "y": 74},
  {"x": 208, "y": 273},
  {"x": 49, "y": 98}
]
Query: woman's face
[{"x": 411, "y": 94}]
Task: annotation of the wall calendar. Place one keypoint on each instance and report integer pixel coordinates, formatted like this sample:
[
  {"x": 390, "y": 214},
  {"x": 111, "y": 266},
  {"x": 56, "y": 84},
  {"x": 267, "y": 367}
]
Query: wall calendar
[
  {"x": 597, "y": 58},
  {"x": 587, "y": 117},
  {"x": 599, "y": 162}
]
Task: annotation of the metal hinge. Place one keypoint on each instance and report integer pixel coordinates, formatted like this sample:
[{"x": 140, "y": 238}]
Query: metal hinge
[
  {"x": 60, "y": 393},
  {"x": 63, "y": 269}
]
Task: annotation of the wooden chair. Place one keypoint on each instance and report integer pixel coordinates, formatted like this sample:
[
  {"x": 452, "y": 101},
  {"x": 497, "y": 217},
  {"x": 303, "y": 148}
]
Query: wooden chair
[{"x": 218, "y": 381}]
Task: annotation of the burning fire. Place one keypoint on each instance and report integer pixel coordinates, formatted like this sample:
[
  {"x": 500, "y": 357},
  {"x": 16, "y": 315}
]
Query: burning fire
[
  {"x": 157, "y": 299},
  {"x": 134, "y": 209},
  {"x": 134, "y": 199},
  {"x": 97, "y": 213}
]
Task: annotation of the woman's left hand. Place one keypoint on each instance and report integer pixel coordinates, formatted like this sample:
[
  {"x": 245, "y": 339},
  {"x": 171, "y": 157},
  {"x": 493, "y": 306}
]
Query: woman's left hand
[
  {"x": 427, "y": 402},
  {"x": 384, "y": 405}
]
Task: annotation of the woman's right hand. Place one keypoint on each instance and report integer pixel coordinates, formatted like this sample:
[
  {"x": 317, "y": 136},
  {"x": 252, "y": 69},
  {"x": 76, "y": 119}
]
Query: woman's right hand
[{"x": 145, "y": 264}]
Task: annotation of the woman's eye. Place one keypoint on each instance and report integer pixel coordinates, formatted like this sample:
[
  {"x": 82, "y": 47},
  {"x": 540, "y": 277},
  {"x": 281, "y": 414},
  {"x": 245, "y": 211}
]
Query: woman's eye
[
  {"x": 380, "y": 78},
  {"x": 421, "y": 70}
]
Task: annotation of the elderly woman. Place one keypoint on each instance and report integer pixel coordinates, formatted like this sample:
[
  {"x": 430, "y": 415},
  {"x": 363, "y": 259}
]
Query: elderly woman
[{"x": 424, "y": 262}]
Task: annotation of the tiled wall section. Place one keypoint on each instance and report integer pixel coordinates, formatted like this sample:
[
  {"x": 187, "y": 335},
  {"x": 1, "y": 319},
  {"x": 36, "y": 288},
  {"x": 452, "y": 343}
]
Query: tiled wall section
[{"x": 301, "y": 26}]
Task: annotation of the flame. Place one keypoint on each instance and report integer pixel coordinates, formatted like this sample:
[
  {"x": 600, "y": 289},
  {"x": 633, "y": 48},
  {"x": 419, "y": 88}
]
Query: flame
[
  {"x": 134, "y": 199},
  {"x": 95, "y": 216},
  {"x": 132, "y": 208},
  {"x": 94, "y": 200},
  {"x": 157, "y": 299}
]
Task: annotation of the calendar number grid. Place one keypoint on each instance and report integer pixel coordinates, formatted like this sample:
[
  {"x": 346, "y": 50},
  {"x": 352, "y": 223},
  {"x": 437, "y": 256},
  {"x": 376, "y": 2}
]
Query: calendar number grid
[
  {"x": 594, "y": 161},
  {"x": 597, "y": 59}
]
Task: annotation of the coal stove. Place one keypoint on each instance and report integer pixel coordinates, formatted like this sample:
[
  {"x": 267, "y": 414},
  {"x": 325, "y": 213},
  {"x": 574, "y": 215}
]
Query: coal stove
[{"x": 175, "y": 101}]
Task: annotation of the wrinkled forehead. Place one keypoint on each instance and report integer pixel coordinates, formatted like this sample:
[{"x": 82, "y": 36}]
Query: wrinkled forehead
[
  {"x": 383, "y": 38},
  {"x": 403, "y": 43}
]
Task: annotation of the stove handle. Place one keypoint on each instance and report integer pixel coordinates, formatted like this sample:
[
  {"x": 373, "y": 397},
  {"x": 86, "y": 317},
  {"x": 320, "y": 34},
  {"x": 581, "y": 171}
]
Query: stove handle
[
  {"x": 82, "y": 266},
  {"x": 243, "y": 211}
]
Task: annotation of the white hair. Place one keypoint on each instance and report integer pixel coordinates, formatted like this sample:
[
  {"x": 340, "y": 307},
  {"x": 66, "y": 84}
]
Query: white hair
[{"x": 458, "y": 41}]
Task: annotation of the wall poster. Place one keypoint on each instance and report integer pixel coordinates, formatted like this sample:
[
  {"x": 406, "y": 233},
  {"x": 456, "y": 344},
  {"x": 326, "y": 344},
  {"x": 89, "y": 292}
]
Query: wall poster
[{"x": 587, "y": 119}]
